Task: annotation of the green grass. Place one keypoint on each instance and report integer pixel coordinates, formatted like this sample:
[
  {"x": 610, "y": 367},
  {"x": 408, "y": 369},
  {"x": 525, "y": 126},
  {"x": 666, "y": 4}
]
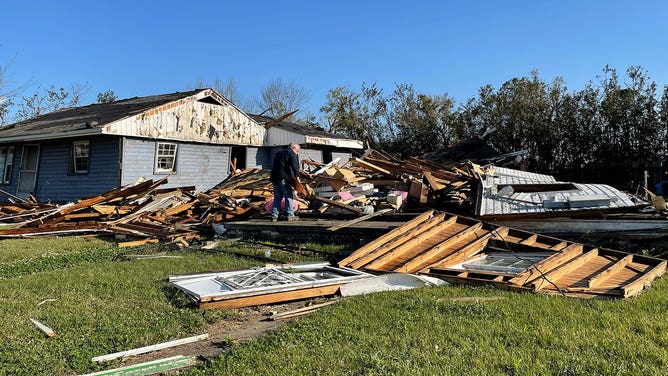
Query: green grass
[
  {"x": 103, "y": 306},
  {"x": 418, "y": 332}
]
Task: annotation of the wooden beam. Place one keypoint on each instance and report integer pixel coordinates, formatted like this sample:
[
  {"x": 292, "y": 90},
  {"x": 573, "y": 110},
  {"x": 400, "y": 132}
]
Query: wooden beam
[
  {"x": 45, "y": 329},
  {"x": 421, "y": 261},
  {"x": 435, "y": 186},
  {"x": 370, "y": 166},
  {"x": 597, "y": 279},
  {"x": 338, "y": 204},
  {"x": 635, "y": 287},
  {"x": 279, "y": 119},
  {"x": 358, "y": 220},
  {"x": 547, "y": 264},
  {"x": 468, "y": 250},
  {"x": 146, "y": 349},
  {"x": 301, "y": 311},
  {"x": 402, "y": 238},
  {"x": 248, "y": 301},
  {"x": 413, "y": 242},
  {"x": 137, "y": 242},
  {"x": 385, "y": 238},
  {"x": 569, "y": 266}
]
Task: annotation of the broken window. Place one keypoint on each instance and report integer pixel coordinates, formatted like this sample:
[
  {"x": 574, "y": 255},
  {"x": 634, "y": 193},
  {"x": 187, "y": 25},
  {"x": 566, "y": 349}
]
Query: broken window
[
  {"x": 80, "y": 157},
  {"x": 6, "y": 163},
  {"x": 504, "y": 262},
  {"x": 165, "y": 158}
]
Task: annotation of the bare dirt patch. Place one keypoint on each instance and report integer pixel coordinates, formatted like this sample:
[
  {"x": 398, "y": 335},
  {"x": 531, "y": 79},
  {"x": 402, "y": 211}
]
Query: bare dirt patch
[{"x": 252, "y": 322}]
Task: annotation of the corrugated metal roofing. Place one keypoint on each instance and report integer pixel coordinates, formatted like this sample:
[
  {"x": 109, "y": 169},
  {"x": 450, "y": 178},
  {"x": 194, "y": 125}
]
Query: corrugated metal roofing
[{"x": 497, "y": 196}]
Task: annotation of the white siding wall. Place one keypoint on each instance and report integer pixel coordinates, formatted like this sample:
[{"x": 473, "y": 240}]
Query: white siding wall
[
  {"x": 200, "y": 165},
  {"x": 345, "y": 157}
]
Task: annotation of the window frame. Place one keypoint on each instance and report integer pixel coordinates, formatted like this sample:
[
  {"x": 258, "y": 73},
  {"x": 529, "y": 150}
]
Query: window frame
[
  {"x": 73, "y": 157},
  {"x": 157, "y": 169},
  {"x": 7, "y": 167}
]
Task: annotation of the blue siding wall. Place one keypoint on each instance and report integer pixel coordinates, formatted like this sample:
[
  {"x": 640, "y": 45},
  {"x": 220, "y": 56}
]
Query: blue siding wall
[
  {"x": 57, "y": 184},
  {"x": 199, "y": 165}
]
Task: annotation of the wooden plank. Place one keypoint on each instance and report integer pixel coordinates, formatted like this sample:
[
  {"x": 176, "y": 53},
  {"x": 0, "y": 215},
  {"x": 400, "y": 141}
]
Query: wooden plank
[
  {"x": 301, "y": 311},
  {"x": 45, "y": 329},
  {"x": 338, "y": 204},
  {"x": 598, "y": 279},
  {"x": 138, "y": 242},
  {"x": 146, "y": 349},
  {"x": 179, "y": 208},
  {"x": 435, "y": 185},
  {"x": 283, "y": 296},
  {"x": 636, "y": 287},
  {"x": 530, "y": 240},
  {"x": 385, "y": 238},
  {"x": 555, "y": 274},
  {"x": 401, "y": 239},
  {"x": 358, "y": 220},
  {"x": 370, "y": 166},
  {"x": 468, "y": 250},
  {"x": 547, "y": 264},
  {"x": 413, "y": 242},
  {"x": 420, "y": 262},
  {"x": 82, "y": 215}
]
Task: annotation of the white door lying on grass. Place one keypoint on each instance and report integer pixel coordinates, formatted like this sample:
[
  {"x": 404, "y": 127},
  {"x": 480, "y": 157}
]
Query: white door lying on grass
[{"x": 28, "y": 170}]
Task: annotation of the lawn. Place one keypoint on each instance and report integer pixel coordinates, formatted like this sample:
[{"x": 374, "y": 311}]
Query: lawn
[{"x": 103, "y": 306}]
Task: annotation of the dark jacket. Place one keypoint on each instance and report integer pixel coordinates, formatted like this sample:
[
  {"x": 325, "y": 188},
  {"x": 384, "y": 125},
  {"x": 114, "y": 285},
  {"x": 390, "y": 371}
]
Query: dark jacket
[{"x": 286, "y": 166}]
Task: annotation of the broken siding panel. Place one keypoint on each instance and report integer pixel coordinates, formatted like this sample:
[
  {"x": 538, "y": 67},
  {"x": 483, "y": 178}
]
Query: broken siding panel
[
  {"x": 281, "y": 137},
  {"x": 312, "y": 154},
  {"x": 258, "y": 158},
  {"x": 56, "y": 183},
  {"x": 345, "y": 156},
  {"x": 200, "y": 165},
  {"x": 191, "y": 120}
]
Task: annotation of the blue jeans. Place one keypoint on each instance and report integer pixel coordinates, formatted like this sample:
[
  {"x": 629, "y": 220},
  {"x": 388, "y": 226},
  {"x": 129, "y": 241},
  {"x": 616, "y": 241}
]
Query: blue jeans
[{"x": 282, "y": 190}]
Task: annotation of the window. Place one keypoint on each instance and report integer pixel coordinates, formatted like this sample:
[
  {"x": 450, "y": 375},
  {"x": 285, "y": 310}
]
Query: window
[
  {"x": 6, "y": 163},
  {"x": 80, "y": 157},
  {"x": 165, "y": 158}
]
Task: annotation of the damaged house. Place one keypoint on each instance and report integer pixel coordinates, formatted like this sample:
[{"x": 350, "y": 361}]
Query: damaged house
[{"x": 194, "y": 138}]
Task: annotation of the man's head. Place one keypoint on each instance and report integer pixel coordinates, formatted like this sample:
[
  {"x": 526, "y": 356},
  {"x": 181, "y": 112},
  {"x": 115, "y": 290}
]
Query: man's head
[{"x": 295, "y": 147}]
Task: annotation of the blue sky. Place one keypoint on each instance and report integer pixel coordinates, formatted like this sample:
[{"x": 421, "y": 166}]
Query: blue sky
[{"x": 138, "y": 48}]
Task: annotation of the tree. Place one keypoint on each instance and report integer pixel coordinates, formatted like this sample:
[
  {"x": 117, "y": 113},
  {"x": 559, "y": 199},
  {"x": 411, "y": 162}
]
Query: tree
[
  {"x": 424, "y": 123},
  {"x": 8, "y": 94},
  {"x": 278, "y": 98},
  {"x": 42, "y": 102},
  {"x": 107, "y": 97},
  {"x": 360, "y": 115}
]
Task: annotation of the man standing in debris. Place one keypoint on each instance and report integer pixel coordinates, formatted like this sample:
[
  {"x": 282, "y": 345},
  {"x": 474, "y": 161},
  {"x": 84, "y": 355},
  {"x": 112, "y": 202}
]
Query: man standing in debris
[{"x": 285, "y": 173}]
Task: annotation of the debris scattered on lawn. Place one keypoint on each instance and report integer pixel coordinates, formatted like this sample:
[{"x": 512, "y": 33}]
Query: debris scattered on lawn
[
  {"x": 150, "y": 368},
  {"x": 463, "y": 250},
  {"x": 45, "y": 329},
  {"x": 300, "y": 311},
  {"x": 46, "y": 301},
  {"x": 270, "y": 284},
  {"x": 146, "y": 349}
]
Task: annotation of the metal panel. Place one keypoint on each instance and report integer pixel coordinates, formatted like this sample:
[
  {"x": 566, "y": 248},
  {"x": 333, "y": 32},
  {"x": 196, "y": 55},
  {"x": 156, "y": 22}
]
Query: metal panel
[
  {"x": 201, "y": 165},
  {"x": 312, "y": 154},
  {"x": 281, "y": 137},
  {"x": 258, "y": 158}
]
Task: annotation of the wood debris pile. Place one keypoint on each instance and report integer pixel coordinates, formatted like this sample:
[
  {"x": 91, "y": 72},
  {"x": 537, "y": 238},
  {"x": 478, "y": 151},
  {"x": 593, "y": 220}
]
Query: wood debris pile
[
  {"x": 142, "y": 211},
  {"x": 378, "y": 181}
]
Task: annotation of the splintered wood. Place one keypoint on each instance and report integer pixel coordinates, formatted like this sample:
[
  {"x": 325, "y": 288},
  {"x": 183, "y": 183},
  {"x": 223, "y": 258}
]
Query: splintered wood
[
  {"x": 142, "y": 212},
  {"x": 464, "y": 250}
]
